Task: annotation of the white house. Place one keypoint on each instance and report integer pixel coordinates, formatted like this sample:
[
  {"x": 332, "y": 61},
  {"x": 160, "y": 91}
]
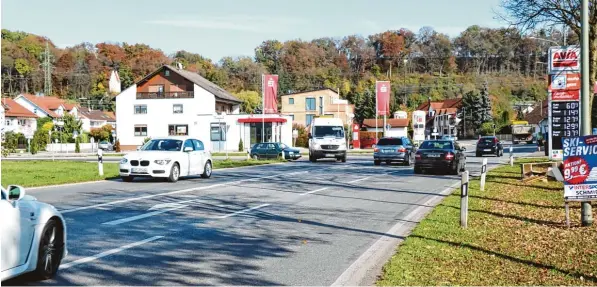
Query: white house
[
  {"x": 93, "y": 119},
  {"x": 172, "y": 101},
  {"x": 396, "y": 127},
  {"x": 46, "y": 106},
  {"x": 18, "y": 119}
]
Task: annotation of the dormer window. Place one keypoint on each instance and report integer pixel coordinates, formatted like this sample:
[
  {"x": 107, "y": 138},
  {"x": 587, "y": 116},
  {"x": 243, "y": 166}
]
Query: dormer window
[{"x": 167, "y": 73}]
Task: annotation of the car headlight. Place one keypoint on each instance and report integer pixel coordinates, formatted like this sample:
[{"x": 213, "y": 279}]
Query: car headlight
[
  {"x": 316, "y": 146},
  {"x": 342, "y": 145},
  {"x": 123, "y": 161},
  {"x": 162, "y": 161}
]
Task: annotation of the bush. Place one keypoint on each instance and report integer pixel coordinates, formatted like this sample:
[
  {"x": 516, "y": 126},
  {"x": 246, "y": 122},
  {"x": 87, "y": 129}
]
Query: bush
[
  {"x": 10, "y": 141},
  {"x": 303, "y": 136},
  {"x": 77, "y": 146},
  {"x": 145, "y": 140},
  {"x": 117, "y": 146},
  {"x": 84, "y": 137},
  {"x": 34, "y": 147},
  {"x": 40, "y": 139},
  {"x": 99, "y": 134},
  {"x": 487, "y": 128},
  {"x": 241, "y": 146}
]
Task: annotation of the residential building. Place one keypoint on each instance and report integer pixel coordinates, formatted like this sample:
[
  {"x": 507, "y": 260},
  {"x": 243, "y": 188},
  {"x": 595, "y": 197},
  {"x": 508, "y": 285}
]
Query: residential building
[
  {"x": 93, "y": 119},
  {"x": 111, "y": 119},
  {"x": 397, "y": 127},
  {"x": 18, "y": 119},
  {"x": 538, "y": 117},
  {"x": 174, "y": 102},
  {"x": 305, "y": 106},
  {"x": 441, "y": 117},
  {"x": 46, "y": 106}
]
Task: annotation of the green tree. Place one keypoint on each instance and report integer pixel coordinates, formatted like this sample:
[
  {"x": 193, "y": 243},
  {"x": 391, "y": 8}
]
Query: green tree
[
  {"x": 486, "y": 115},
  {"x": 70, "y": 125},
  {"x": 251, "y": 100},
  {"x": 42, "y": 121},
  {"x": 23, "y": 67},
  {"x": 241, "y": 146},
  {"x": 77, "y": 146}
]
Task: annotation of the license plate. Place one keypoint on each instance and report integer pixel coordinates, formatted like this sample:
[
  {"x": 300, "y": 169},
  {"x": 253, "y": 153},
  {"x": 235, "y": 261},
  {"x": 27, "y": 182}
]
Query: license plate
[
  {"x": 387, "y": 151},
  {"x": 330, "y": 155},
  {"x": 487, "y": 149},
  {"x": 433, "y": 155},
  {"x": 138, "y": 170}
]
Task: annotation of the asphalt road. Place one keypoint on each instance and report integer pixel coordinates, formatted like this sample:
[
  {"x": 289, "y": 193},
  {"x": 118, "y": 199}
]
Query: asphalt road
[{"x": 296, "y": 223}]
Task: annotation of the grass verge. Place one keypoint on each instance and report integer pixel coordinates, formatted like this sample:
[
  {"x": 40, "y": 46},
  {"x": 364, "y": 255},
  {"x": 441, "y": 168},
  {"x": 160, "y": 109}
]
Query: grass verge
[
  {"x": 516, "y": 236},
  {"x": 41, "y": 173}
]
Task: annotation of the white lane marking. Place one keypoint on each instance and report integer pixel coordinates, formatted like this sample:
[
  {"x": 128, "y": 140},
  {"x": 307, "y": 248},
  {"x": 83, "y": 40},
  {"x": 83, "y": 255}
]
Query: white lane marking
[
  {"x": 173, "y": 192},
  {"x": 384, "y": 246},
  {"x": 141, "y": 216},
  {"x": 314, "y": 191},
  {"x": 241, "y": 211},
  {"x": 361, "y": 179},
  {"x": 107, "y": 253}
]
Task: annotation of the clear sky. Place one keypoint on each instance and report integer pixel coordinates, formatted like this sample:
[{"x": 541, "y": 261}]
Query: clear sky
[{"x": 219, "y": 28}]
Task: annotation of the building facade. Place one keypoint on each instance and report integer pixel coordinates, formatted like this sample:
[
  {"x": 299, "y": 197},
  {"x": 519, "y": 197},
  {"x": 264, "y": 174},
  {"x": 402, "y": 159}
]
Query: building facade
[
  {"x": 18, "y": 119},
  {"x": 305, "y": 106},
  {"x": 174, "y": 102},
  {"x": 441, "y": 117}
]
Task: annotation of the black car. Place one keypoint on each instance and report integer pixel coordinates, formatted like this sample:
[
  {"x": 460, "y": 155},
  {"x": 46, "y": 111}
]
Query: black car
[
  {"x": 274, "y": 151},
  {"x": 489, "y": 145},
  {"x": 393, "y": 149},
  {"x": 442, "y": 155}
]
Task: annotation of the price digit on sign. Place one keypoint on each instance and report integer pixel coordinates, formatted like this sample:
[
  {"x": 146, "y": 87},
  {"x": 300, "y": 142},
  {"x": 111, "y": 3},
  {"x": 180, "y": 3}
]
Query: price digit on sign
[{"x": 567, "y": 173}]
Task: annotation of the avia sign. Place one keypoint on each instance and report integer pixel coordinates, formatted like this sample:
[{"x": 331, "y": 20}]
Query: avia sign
[{"x": 564, "y": 59}]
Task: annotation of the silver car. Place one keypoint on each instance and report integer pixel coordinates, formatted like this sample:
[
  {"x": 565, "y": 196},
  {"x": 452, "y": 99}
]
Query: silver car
[{"x": 105, "y": 145}]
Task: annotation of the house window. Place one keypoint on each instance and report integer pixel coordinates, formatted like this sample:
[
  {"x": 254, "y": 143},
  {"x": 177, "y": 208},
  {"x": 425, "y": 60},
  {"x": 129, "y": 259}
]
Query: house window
[
  {"x": 140, "y": 109},
  {"x": 140, "y": 131},
  {"x": 310, "y": 104},
  {"x": 177, "y": 108},
  {"x": 178, "y": 130},
  {"x": 321, "y": 105},
  {"x": 218, "y": 132},
  {"x": 309, "y": 119},
  {"x": 22, "y": 122},
  {"x": 291, "y": 101},
  {"x": 8, "y": 122},
  {"x": 167, "y": 73}
]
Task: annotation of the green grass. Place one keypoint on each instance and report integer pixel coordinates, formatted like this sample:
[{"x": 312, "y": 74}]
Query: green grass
[
  {"x": 236, "y": 153},
  {"x": 516, "y": 236},
  {"x": 41, "y": 173}
]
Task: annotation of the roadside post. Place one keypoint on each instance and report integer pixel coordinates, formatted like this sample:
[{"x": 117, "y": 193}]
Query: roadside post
[
  {"x": 483, "y": 174},
  {"x": 511, "y": 156},
  {"x": 100, "y": 162},
  {"x": 50, "y": 141},
  {"x": 464, "y": 200}
]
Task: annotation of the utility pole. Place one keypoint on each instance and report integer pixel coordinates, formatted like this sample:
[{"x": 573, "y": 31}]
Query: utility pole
[
  {"x": 47, "y": 66},
  {"x": 586, "y": 212}
]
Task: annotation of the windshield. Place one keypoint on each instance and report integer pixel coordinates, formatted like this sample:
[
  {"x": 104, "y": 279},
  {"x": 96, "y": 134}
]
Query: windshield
[
  {"x": 165, "y": 145},
  {"x": 283, "y": 146},
  {"x": 487, "y": 140},
  {"x": 328, "y": 131},
  {"x": 390, "y": 142},
  {"x": 436, "y": 145}
]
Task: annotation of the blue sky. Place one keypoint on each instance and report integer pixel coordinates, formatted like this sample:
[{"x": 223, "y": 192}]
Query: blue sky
[{"x": 221, "y": 28}]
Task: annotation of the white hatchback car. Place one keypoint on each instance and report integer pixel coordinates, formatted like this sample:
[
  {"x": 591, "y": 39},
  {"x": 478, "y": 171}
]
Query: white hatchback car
[
  {"x": 168, "y": 158},
  {"x": 33, "y": 235}
]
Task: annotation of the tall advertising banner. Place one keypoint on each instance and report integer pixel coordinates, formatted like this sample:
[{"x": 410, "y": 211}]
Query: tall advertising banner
[
  {"x": 382, "y": 96},
  {"x": 270, "y": 94},
  {"x": 564, "y": 97},
  {"x": 580, "y": 168}
]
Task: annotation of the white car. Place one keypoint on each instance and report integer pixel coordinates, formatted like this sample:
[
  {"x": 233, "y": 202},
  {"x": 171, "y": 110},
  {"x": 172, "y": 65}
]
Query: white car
[
  {"x": 33, "y": 235},
  {"x": 168, "y": 158}
]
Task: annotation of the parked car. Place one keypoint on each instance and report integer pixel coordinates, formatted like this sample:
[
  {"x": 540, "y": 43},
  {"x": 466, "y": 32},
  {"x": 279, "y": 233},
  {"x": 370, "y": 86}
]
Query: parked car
[
  {"x": 169, "y": 158},
  {"x": 440, "y": 155},
  {"x": 489, "y": 145},
  {"x": 105, "y": 145},
  {"x": 393, "y": 149},
  {"x": 33, "y": 235},
  {"x": 273, "y": 150},
  {"x": 449, "y": 137}
]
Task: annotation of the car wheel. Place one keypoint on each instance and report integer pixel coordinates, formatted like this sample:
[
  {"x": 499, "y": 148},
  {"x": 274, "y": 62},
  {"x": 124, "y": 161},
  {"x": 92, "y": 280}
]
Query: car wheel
[
  {"x": 207, "y": 169},
  {"x": 418, "y": 170},
  {"x": 51, "y": 248},
  {"x": 255, "y": 157},
  {"x": 478, "y": 154},
  {"x": 127, "y": 178},
  {"x": 377, "y": 162},
  {"x": 174, "y": 173},
  {"x": 344, "y": 159},
  {"x": 407, "y": 162},
  {"x": 312, "y": 158},
  {"x": 455, "y": 170}
]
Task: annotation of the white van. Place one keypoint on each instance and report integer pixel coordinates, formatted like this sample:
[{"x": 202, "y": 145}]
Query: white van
[{"x": 327, "y": 139}]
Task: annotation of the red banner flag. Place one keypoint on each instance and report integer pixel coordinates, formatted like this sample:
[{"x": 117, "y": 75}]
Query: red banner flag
[
  {"x": 270, "y": 94},
  {"x": 382, "y": 95}
]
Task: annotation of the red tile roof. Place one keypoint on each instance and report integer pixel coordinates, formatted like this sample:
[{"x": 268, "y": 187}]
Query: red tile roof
[
  {"x": 538, "y": 113},
  {"x": 445, "y": 104},
  {"x": 49, "y": 104},
  {"x": 399, "y": 123},
  {"x": 13, "y": 109},
  {"x": 95, "y": 115},
  {"x": 111, "y": 115}
]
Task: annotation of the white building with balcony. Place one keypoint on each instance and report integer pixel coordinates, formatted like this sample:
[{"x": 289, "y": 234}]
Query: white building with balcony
[{"x": 174, "y": 102}]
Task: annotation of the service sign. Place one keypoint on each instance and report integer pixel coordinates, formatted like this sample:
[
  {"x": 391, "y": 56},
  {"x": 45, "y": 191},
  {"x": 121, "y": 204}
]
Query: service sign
[
  {"x": 564, "y": 82},
  {"x": 564, "y": 59},
  {"x": 580, "y": 168}
]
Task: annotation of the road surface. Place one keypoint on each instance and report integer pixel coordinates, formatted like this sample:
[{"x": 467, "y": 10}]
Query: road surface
[{"x": 297, "y": 223}]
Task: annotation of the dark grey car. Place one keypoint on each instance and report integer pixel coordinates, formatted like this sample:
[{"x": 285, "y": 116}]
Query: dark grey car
[{"x": 393, "y": 149}]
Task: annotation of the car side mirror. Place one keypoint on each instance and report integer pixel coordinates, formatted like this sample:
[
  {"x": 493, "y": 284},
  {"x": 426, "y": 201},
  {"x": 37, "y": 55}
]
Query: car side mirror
[
  {"x": 188, "y": 149},
  {"x": 15, "y": 192}
]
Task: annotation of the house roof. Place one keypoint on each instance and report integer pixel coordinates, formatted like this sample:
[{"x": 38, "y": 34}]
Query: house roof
[
  {"x": 13, "y": 109},
  {"x": 445, "y": 104},
  {"x": 216, "y": 90},
  {"x": 111, "y": 115},
  {"x": 400, "y": 123},
  {"x": 95, "y": 115},
  {"x": 309, "y": 91},
  {"x": 46, "y": 104},
  {"x": 537, "y": 114}
]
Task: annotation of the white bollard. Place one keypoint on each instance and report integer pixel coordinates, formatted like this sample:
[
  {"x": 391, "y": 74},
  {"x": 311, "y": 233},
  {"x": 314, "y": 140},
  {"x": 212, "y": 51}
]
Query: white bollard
[
  {"x": 248, "y": 154},
  {"x": 464, "y": 200},
  {"x": 511, "y": 156},
  {"x": 100, "y": 162},
  {"x": 483, "y": 174}
]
